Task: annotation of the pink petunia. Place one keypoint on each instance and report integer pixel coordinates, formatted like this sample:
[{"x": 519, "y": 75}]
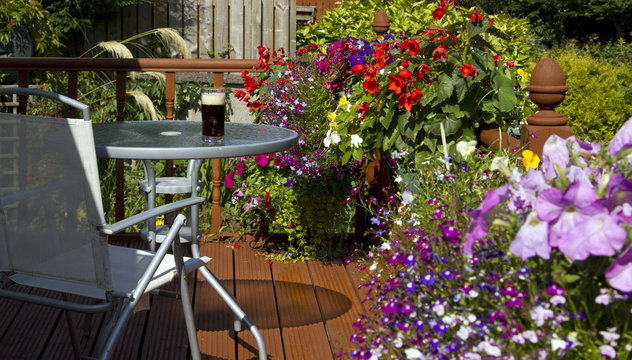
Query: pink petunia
[
  {"x": 229, "y": 180},
  {"x": 619, "y": 274},
  {"x": 532, "y": 239},
  {"x": 261, "y": 160}
]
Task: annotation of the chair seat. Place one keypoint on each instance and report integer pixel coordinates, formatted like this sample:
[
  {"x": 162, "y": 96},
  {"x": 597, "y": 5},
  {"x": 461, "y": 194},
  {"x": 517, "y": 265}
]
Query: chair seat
[
  {"x": 127, "y": 268},
  {"x": 162, "y": 230},
  {"x": 170, "y": 185}
]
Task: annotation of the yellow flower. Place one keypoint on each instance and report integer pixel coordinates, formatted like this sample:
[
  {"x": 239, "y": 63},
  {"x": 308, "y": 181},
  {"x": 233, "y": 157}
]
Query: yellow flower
[
  {"x": 342, "y": 101},
  {"x": 530, "y": 160},
  {"x": 160, "y": 221},
  {"x": 332, "y": 120},
  {"x": 523, "y": 74}
]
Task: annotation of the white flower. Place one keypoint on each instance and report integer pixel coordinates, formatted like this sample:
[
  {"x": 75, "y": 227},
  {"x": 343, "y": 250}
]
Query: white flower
[
  {"x": 610, "y": 336},
  {"x": 438, "y": 309},
  {"x": 385, "y": 245},
  {"x": 373, "y": 266},
  {"x": 407, "y": 197},
  {"x": 608, "y": 351},
  {"x": 398, "y": 342},
  {"x": 603, "y": 298},
  {"x": 356, "y": 140},
  {"x": 466, "y": 148},
  {"x": 398, "y": 179},
  {"x": 463, "y": 333},
  {"x": 500, "y": 163},
  {"x": 332, "y": 137},
  {"x": 557, "y": 343},
  {"x": 531, "y": 336},
  {"x": 540, "y": 315},
  {"x": 558, "y": 299},
  {"x": 414, "y": 354},
  {"x": 490, "y": 349}
]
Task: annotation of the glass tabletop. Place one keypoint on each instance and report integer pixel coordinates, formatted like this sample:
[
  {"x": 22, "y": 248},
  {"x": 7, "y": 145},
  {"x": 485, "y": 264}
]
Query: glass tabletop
[{"x": 181, "y": 139}]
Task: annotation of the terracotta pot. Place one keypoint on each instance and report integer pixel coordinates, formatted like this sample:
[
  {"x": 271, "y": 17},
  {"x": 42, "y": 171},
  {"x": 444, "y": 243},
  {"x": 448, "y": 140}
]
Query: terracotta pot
[{"x": 492, "y": 138}]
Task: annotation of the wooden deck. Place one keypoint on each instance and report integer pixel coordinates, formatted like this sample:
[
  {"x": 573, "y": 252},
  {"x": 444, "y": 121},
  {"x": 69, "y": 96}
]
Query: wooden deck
[{"x": 304, "y": 310}]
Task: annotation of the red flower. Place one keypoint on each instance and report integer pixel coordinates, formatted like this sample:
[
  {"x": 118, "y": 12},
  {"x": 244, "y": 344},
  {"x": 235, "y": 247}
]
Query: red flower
[
  {"x": 371, "y": 85},
  {"x": 476, "y": 15},
  {"x": 407, "y": 100},
  {"x": 440, "y": 10},
  {"x": 358, "y": 68},
  {"x": 496, "y": 58},
  {"x": 363, "y": 109},
  {"x": 396, "y": 84},
  {"x": 371, "y": 71},
  {"x": 440, "y": 52},
  {"x": 423, "y": 69},
  {"x": 404, "y": 63},
  {"x": 405, "y": 74},
  {"x": 468, "y": 70},
  {"x": 511, "y": 63},
  {"x": 235, "y": 246},
  {"x": 411, "y": 45}
]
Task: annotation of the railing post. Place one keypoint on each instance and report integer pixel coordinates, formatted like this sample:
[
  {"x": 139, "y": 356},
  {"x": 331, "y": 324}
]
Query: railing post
[
  {"x": 119, "y": 202},
  {"x": 216, "y": 209},
  {"x": 23, "y": 81},
  {"x": 170, "y": 99},
  {"x": 547, "y": 90}
]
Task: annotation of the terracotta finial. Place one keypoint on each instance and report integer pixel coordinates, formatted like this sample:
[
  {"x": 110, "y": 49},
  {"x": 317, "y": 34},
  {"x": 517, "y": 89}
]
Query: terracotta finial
[
  {"x": 547, "y": 89},
  {"x": 380, "y": 23}
]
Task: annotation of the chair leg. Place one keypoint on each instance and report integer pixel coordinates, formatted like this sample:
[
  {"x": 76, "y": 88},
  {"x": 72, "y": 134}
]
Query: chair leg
[
  {"x": 239, "y": 313},
  {"x": 188, "y": 318},
  {"x": 72, "y": 329}
]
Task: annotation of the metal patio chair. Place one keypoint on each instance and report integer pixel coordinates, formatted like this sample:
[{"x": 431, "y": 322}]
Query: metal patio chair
[{"x": 53, "y": 233}]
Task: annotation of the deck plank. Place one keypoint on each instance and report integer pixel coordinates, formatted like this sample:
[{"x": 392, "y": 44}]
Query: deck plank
[
  {"x": 304, "y": 335},
  {"x": 213, "y": 318},
  {"x": 30, "y": 330},
  {"x": 255, "y": 295},
  {"x": 338, "y": 301},
  {"x": 299, "y": 308}
]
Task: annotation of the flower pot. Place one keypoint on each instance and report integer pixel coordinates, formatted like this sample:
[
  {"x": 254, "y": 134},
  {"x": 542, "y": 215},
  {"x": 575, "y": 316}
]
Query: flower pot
[{"x": 495, "y": 138}]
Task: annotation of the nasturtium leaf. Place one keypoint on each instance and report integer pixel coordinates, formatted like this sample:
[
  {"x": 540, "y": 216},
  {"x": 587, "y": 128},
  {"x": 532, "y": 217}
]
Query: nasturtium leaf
[
  {"x": 505, "y": 97},
  {"x": 444, "y": 87}
]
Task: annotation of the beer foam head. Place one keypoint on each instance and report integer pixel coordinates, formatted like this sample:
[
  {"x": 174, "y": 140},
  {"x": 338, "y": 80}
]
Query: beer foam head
[{"x": 213, "y": 99}]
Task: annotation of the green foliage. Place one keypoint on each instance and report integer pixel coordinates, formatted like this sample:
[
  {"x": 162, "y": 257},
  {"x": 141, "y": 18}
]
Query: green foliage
[
  {"x": 555, "y": 21},
  {"x": 450, "y": 76},
  {"x": 599, "y": 97},
  {"x": 32, "y": 15},
  {"x": 410, "y": 18}
]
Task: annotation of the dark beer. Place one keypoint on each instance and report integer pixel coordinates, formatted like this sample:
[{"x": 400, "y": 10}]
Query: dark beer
[{"x": 213, "y": 112}]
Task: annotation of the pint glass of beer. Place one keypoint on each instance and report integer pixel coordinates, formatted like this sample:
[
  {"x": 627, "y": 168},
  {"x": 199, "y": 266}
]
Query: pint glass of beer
[{"x": 213, "y": 112}]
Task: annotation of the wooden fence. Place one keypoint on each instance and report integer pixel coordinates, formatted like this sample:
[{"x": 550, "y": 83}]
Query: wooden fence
[
  {"x": 320, "y": 6},
  {"x": 209, "y": 25}
]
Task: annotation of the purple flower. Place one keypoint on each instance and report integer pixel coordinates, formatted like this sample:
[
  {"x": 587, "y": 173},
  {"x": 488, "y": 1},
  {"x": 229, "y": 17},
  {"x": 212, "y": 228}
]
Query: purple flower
[
  {"x": 622, "y": 140},
  {"x": 532, "y": 239},
  {"x": 598, "y": 234},
  {"x": 240, "y": 168},
  {"x": 554, "y": 152},
  {"x": 356, "y": 59},
  {"x": 478, "y": 226},
  {"x": 619, "y": 274},
  {"x": 428, "y": 280},
  {"x": 229, "y": 180},
  {"x": 261, "y": 160}
]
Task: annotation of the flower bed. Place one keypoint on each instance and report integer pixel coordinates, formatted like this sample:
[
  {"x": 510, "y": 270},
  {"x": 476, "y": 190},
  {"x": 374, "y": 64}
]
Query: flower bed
[{"x": 540, "y": 268}]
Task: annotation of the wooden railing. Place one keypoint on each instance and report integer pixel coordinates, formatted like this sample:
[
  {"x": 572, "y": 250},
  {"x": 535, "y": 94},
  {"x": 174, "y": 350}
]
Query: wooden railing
[{"x": 121, "y": 67}]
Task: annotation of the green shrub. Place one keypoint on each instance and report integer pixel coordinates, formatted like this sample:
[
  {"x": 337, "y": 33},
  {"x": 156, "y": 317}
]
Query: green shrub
[
  {"x": 411, "y": 18},
  {"x": 599, "y": 97}
]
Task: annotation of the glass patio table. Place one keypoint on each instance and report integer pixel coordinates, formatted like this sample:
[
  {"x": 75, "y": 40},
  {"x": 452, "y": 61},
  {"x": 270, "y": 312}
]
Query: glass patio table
[{"x": 182, "y": 140}]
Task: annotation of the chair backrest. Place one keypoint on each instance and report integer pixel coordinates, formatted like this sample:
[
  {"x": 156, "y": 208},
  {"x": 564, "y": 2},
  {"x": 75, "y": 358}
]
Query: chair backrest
[{"x": 51, "y": 208}]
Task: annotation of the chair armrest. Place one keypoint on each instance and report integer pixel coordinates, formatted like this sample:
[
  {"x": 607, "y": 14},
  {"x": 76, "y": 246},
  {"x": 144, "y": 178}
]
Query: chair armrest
[{"x": 145, "y": 215}]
